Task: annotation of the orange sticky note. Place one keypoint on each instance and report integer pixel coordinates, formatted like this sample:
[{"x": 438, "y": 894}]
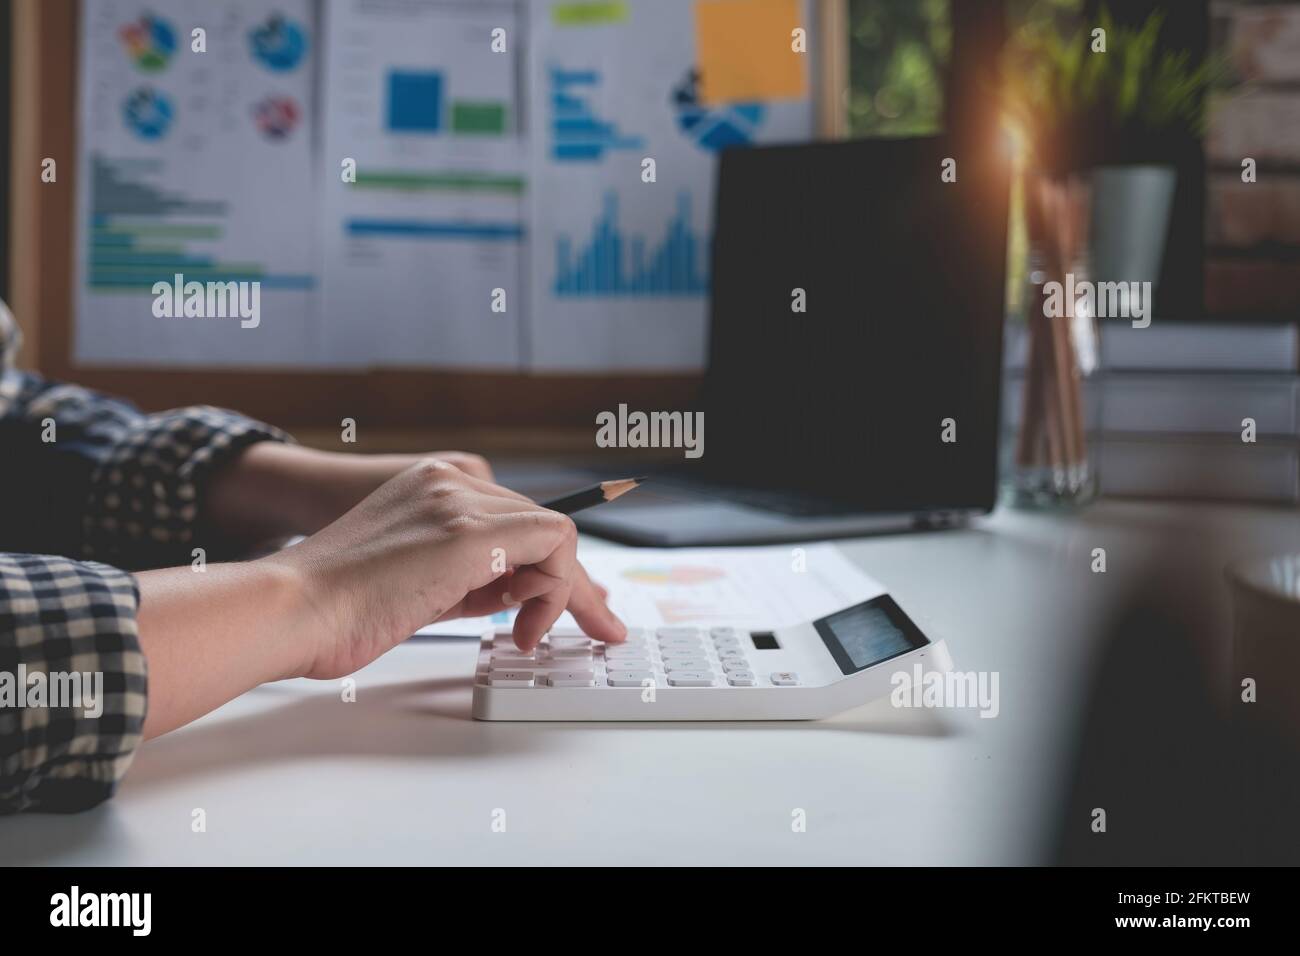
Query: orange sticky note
[{"x": 746, "y": 50}]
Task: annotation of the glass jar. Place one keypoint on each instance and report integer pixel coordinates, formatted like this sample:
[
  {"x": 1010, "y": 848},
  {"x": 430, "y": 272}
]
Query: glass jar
[{"x": 1052, "y": 464}]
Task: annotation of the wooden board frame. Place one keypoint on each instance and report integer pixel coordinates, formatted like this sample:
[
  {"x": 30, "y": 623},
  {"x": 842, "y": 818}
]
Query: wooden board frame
[{"x": 42, "y": 274}]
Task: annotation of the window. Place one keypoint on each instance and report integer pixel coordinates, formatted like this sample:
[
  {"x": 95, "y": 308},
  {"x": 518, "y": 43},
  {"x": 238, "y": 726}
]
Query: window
[{"x": 898, "y": 58}]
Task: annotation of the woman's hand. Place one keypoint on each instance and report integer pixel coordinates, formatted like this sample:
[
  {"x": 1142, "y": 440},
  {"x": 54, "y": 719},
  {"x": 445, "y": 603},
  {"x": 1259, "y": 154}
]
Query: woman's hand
[
  {"x": 431, "y": 544},
  {"x": 436, "y": 543}
]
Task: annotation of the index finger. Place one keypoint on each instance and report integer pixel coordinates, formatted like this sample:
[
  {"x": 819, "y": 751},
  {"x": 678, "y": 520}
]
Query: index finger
[{"x": 538, "y": 614}]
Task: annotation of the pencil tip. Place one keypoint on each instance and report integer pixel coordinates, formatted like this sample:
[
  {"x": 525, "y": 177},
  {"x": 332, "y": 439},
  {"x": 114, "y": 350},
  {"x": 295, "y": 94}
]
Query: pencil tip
[{"x": 621, "y": 486}]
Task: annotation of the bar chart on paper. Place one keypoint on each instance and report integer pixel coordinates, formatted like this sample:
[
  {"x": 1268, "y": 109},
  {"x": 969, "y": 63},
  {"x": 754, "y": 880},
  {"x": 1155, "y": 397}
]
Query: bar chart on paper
[
  {"x": 429, "y": 233},
  {"x": 631, "y": 103},
  {"x": 610, "y": 263},
  {"x": 179, "y": 175},
  {"x": 139, "y": 233},
  {"x": 414, "y": 103},
  {"x": 578, "y": 132}
]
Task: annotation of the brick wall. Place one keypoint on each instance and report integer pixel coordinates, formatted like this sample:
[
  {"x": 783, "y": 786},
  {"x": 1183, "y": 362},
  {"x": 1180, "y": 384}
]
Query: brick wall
[{"x": 1252, "y": 267}]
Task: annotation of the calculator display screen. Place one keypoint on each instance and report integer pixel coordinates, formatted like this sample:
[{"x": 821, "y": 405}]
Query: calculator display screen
[{"x": 868, "y": 633}]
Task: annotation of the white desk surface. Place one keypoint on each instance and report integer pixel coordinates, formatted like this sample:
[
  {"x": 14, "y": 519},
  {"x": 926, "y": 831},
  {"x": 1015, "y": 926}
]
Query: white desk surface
[{"x": 291, "y": 774}]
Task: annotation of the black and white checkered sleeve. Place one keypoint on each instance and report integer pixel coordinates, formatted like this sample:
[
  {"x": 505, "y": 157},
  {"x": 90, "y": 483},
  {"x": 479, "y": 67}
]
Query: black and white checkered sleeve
[
  {"x": 145, "y": 493},
  {"x": 72, "y": 682},
  {"x": 92, "y": 476}
]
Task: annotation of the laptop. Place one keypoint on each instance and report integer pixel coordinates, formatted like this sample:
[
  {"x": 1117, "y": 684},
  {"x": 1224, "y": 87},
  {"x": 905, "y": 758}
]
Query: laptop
[{"x": 875, "y": 407}]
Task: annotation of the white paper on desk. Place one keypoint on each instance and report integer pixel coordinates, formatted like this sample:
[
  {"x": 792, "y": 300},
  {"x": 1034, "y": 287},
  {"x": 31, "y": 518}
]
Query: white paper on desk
[{"x": 756, "y": 588}]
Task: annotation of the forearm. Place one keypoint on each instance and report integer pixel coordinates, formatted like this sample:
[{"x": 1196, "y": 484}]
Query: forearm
[
  {"x": 273, "y": 490},
  {"x": 209, "y": 636}
]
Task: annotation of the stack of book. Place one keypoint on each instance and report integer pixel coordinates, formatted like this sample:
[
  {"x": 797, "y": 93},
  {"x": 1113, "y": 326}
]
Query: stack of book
[{"x": 1166, "y": 413}]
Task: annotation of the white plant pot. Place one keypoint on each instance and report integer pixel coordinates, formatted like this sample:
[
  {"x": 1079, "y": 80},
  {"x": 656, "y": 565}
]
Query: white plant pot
[{"x": 1130, "y": 217}]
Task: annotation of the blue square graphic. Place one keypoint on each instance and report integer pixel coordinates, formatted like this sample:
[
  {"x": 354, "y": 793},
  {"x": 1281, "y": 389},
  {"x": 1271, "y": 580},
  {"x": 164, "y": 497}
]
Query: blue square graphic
[{"x": 414, "y": 102}]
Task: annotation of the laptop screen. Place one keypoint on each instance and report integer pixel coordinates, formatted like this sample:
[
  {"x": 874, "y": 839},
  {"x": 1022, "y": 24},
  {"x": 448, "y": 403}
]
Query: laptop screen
[{"x": 856, "y": 334}]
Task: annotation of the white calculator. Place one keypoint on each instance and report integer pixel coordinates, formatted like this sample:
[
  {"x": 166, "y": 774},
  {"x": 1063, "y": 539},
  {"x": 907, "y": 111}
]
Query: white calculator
[{"x": 800, "y": 672}]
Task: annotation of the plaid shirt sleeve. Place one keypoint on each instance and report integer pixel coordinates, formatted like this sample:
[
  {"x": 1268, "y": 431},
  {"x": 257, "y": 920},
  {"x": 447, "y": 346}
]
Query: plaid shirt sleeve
[
  {"x": 92, "y": 477},
  {"x": 115, "y": 484},
  {"x": 142, "y": 502},
  {"x": 72, "y": 682}
]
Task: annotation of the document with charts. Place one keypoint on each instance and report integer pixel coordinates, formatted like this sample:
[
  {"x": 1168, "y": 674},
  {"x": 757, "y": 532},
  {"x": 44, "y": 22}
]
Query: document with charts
[
  {"x": 198, "y": 163},
  {"x": 760, "y": 587},
  {"x": 619, "y": 271},
  {"x": 423, "y": 251}
]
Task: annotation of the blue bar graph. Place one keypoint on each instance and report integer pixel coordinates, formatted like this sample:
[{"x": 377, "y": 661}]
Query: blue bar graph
[
  {"x": 577, "y": 133},
  {"x": 414, "y": 102},
  {"x": 141, "y": 234},
  {"x": 610, "y": 265},
  {"x": 435, "y": 229}
]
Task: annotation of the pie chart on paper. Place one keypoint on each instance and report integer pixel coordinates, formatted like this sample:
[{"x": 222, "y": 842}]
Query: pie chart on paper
[{"x": 718, "y": 127}]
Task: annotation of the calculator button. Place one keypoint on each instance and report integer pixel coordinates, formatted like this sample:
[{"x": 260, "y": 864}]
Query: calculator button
[
  {"x": 740, "y": 678},
  {"x": 672, "y": 632},
  {"x": 690, "y": 679},
  {"x": 733, "y": 633},
  {"x": 724, "y": 643},
  {"x": 730, "y": 666},
  {"x": 567, "y": 632},
  {"x": 629, "y": 678},
  {"x": 568, "y": 642},
  {"x": 785, "y": 678},
  {"x": 512, "y": 663},
  {"x": 682, "y": 652},
  {"x": 731, "y": 655},
  {"x": 570, "y": 653},
  {"x": 686, "y": 666},
  {"x": 681, "y": 644},
  {"x": 511, "y": 678},
  {"x": 570, "y": 678}
]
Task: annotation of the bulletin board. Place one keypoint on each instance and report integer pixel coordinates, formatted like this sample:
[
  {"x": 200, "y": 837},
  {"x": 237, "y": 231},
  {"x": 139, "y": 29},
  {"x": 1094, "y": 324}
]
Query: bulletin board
[{"x": 43, "y": 279}]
